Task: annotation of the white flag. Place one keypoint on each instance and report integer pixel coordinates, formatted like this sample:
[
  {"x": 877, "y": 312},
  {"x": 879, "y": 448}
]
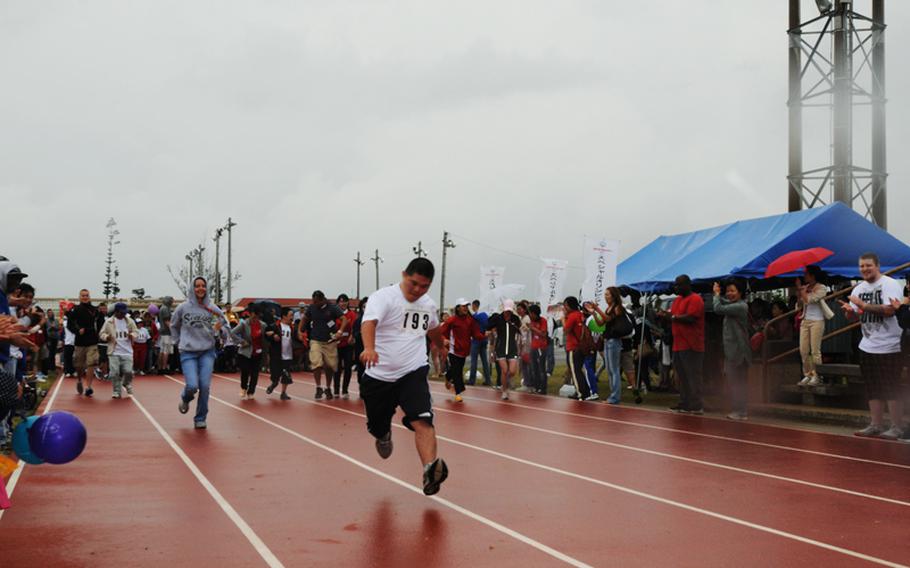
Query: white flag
[
  {"x": 601, "y": 258},
  {"x": 490, "y": 278},
  {"x": 552, "y": 282}
]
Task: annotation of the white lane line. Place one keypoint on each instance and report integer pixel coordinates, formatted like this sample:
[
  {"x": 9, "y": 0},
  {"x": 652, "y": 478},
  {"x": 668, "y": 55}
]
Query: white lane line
[
  {"x": 14, "y": 479},
  {"x": 666, "y": 455},
  {"x": 489, "y": 522},
  {"x": 621, "y": 488},
  {"x": 689, "y": 432},
  {"x": 270, "y": 559}
]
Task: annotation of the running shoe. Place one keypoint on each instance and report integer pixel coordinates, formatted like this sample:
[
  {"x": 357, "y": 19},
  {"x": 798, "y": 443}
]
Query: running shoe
[
  {"x": 129, "y": 390},
  {"x": 79, "y": 387},
  {"x": 679, "y": 409},
  {"x": 242, "y": 394},
  {"x": 319, "y": 393},
  {"x": 738, "y": 416},
  {"x": 328, "y": 394},
  {"x": 184, "y": 406},
  {"x": 115, "y": 395},
  {"x": 98, "y": 374},
  {"x": 89, "y": 392},
  {"x": 458, "y": 398},
  {"x": 384, "y": 446},
  {"x": 199, "y": 425},
  {"x": 593, "y": 397},
  {"x": 814, "y": 381},
  {"x": 434, "y": 473},
  {"x": 448, "y": 384},
  {"x": 805, "y": 381},
  {"x": 345, "y": 395},
  {"x": 284, "y": 396},
  {"x": 505, "y": 396},
  {"x": 522, "y": 388},
  {"x": 893, "y": 433},
  {"x": 271, "y": 388},
  {"x": 697, "y": 411},
  {"x": 870, "y": 431}
]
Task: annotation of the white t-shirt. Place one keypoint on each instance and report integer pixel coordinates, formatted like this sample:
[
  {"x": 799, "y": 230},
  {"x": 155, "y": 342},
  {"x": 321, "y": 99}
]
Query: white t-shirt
[
  {"x": 124, "y": 344},
  {"x": 880, "y": 334},
  {"x": 401, "y": 330},
  {"x": 143, "y": 335},
  {"x": 69, "y": 338},
  {"x": 287, "y": 350}
]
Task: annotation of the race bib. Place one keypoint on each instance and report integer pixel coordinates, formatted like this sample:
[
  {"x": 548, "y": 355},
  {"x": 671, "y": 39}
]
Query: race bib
[
  {"x": 330, "y": 325},
  {"x": 415, "y": 322}
]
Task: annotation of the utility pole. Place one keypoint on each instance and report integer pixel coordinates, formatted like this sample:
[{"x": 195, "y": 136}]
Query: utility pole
[
  {"x": 377, "y": 259},
  {"x": 217, "y": 240},
  {"x": 359, "y": 264},
  {"x": 419, "y": 250},
  {"x": 229, "y": 226},
  {"x": 446, "y": 244}
]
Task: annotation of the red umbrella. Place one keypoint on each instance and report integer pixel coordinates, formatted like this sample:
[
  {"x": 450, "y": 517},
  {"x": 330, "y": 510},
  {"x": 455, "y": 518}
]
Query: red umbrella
[{"x": 793, "y": 261}]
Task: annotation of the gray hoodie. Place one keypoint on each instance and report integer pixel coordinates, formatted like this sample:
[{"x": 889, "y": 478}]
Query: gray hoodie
[{"x": 192, "y": 324}]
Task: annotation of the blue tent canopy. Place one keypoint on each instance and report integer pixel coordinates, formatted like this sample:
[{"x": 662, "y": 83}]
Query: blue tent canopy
[{"x": 745, "y": 248}]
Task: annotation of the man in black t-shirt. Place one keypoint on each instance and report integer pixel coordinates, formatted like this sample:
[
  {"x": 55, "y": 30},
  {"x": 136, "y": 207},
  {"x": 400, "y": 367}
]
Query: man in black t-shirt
[
  {"x": 320, "y": 321},
  {"x": 81, "y": 321}
]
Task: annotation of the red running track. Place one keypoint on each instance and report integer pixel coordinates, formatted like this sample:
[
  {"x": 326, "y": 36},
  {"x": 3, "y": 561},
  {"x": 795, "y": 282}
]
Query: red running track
[{"x": 536, "y": 481}]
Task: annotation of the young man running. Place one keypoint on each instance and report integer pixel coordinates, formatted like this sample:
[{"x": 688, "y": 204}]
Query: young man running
[
  {"x": 281, "y": 354},
  {"x": 463, "y": 329},
  {"x": 396, "y": 324}
]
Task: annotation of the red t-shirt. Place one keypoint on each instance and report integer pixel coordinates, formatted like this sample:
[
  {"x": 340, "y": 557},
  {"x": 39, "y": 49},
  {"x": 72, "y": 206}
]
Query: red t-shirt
[
  {"x": 539, "y": 341},
  {"x": 256, "y": 337},
  {"x": 348, "y": 338},
  {"x": 572, "y": 329},
  {"x": 689, "y": 336},
  {"x": 463, "y": 329}
]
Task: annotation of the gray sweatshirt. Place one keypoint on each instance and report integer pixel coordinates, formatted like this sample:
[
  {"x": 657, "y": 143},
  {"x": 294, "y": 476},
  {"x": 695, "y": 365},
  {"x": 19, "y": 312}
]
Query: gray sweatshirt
[{"x": 192, "y": 324}]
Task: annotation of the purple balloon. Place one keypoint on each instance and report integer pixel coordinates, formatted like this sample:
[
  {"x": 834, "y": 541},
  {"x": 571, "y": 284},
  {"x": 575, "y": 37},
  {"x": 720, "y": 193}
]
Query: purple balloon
[{"x": 57, "y": 437}]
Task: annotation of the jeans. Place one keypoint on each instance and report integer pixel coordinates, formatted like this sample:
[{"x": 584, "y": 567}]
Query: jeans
[
  {"x": 479, "y": 349},
  {"x": 612, "y": 354},
  {"x": 539, "y": 370},
  {"x": 551, "y": 358},
  {"x": 737, "y": 375},
  {"x": 121, "y": 373},
  {"x": 197, "y": 372},
  {"x": 590, "y": 371}
]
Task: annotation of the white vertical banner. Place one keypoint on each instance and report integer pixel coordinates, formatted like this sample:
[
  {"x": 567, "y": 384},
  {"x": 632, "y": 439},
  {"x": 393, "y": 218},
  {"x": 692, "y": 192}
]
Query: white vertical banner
[
  {"x": 491, "y": 278},
  {"x": 552, "y": 282},
  {"x": 601, "y": 258}
]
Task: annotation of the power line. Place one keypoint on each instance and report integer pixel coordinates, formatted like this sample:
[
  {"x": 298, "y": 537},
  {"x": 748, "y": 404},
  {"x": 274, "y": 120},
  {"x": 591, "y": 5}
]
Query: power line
[{"x": 503, "y": 251}]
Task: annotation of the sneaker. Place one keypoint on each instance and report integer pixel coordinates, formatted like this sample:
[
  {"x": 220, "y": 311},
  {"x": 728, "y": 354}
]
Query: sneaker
[
  {"x": 89, "y": 392},
  {"x": 814, "y": 381},
  {"x": 242, "y": 394},
  {"x": 505, "y": 396},
  {"x": 98, "y": 374},
  {"x": 893, "y": 433},
  {"x": 737, "y": 416},
  {"x": 184, "y": 406},
  {"x": 870, "y": 431},
  {"x": 678, "y": 409},
  {"x": 697, "y": 411},
  {"x": 284, "y": 396},
  {"x": 805, "y": 381},
  {"x": 448, "y": 384},
  {"x": 79, "y": 387},
  {"x": 271, "y": 389},
  {"x": 328, "y": 394},
  {"x": 200, "y": 425},
  {"x": 319, "y": 393},
  {"x": 522, "y": 388},
  {"x": 115, "y": 395},
  {"x": 434, "y": 473},
  {"x": 345, "y": 396},
  {"x": 384, "y": 446},
  {"x": 129, "y": 390},
  {"x": 458, "y": 398},
  {"x": 593, "y": 397}
]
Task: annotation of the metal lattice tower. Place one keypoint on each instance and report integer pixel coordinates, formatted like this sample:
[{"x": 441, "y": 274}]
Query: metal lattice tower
[{"x": 837, "y": 63}]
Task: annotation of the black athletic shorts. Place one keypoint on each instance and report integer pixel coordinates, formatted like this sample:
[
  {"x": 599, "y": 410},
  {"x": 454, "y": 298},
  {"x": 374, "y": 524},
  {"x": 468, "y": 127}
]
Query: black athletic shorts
[
  {"x": 411, "y": 392},
  {"x": 102, "y": 353},
  {"x": 882, "y": 374}
]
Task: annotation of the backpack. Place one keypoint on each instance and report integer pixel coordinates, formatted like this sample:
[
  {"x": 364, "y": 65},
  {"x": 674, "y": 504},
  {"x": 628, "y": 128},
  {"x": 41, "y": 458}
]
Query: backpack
[
  {"x": 621, "y": 326},
  {"x": 586, "y": 343}
]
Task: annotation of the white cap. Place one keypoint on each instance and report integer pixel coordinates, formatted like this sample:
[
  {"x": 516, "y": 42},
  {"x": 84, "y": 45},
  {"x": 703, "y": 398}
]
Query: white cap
[
  {"x": 462, "y": 302},
  {"x": 508, "y": 306}
]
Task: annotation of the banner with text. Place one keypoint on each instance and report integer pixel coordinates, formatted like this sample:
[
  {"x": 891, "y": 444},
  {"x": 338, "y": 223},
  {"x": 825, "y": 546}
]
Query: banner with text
[
  {"x": 552, "y": 282},
  {"x": 490, "y": 278},
  {"x": 601, "y": 258}
]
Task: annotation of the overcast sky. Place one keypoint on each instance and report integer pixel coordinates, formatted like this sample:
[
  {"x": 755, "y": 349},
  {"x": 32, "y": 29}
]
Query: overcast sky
[{"x": 324, "y": 128}]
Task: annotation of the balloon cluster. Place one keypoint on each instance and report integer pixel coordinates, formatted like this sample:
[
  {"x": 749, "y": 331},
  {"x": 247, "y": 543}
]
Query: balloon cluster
[{"x": 57, "y": 437}]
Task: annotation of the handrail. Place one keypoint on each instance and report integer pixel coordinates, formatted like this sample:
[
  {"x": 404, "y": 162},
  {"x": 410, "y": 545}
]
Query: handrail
[{"x": 846, "y": 328}]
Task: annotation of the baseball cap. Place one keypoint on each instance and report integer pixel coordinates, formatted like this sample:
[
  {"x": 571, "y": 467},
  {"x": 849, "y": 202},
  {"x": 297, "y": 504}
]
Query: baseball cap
[
  {"x": 120, "y": 307},
  {"x": 508, "y": 306},
  {"x": 462, "y": 302}
]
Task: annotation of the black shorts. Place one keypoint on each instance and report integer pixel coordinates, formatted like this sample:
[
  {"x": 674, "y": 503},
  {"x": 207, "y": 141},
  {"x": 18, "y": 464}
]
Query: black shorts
[
  {"x": 881, "y": 373},
  {"x": 280, "y": 370},
  {"x": 380, "y": 398},
  {"x": 102, "y": 353}
]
